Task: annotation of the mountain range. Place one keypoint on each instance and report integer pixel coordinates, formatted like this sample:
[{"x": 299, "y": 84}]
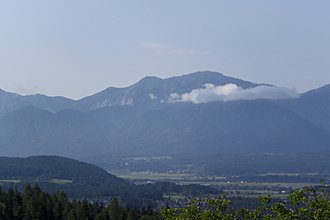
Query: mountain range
[{"x": 191, "y": 120}]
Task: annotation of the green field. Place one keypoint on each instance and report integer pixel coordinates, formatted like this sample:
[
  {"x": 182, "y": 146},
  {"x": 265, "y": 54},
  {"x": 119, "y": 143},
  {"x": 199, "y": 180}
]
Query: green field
[
  {"x": 185, "y": 178},
  {"x": 153, "y": 176},
  {"x": 56, "y": 181},
  {"x": 61, "y": 181},
  {"x": 9, "y": 181},
  {"x": 244, "y": 189},
  {"x": 250, "y": 184}
]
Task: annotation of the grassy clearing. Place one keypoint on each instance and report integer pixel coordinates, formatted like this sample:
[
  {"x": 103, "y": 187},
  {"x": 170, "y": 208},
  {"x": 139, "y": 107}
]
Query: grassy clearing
[
  {"x": 255, "y": 193},
  {"x": 231, "y": 189},
  {"x": 259, "y": 192},
  {"x": 155, "y": 176},
  {"x": 174, "y": 196},
  {"x": 61, "y": 181},
  {"x": 9, "y": 181},
  {"x": 184, "y": 178},
  {"x": 249, "y": 184}
]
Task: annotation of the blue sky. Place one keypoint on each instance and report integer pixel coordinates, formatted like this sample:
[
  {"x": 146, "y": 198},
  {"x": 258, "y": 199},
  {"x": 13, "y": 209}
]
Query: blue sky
[{"x": 75, "y": 48}]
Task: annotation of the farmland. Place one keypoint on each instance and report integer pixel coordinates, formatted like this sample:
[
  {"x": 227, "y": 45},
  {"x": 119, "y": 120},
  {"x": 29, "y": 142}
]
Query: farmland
[{"x": 232, "y": 186}]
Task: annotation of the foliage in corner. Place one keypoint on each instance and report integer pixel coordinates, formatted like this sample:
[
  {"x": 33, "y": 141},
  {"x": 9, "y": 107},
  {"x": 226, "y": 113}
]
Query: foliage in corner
[{"x": 306, "y": 203}]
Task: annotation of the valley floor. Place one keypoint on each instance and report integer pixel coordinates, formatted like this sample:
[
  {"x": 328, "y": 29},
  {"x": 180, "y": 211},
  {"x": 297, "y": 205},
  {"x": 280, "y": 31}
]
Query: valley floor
[{"x": 232, "y": 186}]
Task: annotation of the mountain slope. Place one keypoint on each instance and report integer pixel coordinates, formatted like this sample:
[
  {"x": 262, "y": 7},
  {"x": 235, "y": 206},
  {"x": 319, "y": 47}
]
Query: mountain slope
[
  {"x": 217, "y": 128},
  {"x": 180, "y": 130},
  {"x": 52, "y": 173},
  {"x": 119, "y": 124},
  {"x": 32, "y": 131},
  {"x": 313, "y": 105},
  {"x": 48, "y": 168},
  {"x": 11, "y": 102}
]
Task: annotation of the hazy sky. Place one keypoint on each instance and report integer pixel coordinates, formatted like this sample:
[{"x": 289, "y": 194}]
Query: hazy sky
[{"x": 75, "y": 48}]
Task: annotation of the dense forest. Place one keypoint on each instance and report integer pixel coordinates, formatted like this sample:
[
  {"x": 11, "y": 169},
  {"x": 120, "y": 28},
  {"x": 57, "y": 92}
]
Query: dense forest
[{"x": 32, "y": 204}]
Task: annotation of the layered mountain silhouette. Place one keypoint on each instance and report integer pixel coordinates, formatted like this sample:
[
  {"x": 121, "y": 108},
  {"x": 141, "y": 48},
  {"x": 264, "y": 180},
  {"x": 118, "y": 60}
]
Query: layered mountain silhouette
[
  {"x": 200, "y": 115},
  {"x": 137, "y": 94}
]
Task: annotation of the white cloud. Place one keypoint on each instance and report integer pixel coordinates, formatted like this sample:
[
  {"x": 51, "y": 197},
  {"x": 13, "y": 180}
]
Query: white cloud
[
  {"x": 232, "y": 92},
  {"x": 152, "y": 96}
]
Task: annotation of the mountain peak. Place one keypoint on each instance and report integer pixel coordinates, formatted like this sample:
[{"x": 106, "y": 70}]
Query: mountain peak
[
  {"x": 205, "y": 73},
  {"x": 198, "y": 79},
  {"x": 199, "y": 75},
  {"x": 149, "y": 79}
]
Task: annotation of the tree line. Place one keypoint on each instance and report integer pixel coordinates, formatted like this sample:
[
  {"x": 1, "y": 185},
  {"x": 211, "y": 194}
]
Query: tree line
[{"x": 34, "y": 204}]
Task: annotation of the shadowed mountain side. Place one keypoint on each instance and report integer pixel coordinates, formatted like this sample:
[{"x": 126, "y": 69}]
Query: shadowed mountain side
[
  {"x": 219, "y": 127},
  {"x": 31, "y": 131},
  {"x": 313, "y": 105},
  {"x": 177, "y": 130}
]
